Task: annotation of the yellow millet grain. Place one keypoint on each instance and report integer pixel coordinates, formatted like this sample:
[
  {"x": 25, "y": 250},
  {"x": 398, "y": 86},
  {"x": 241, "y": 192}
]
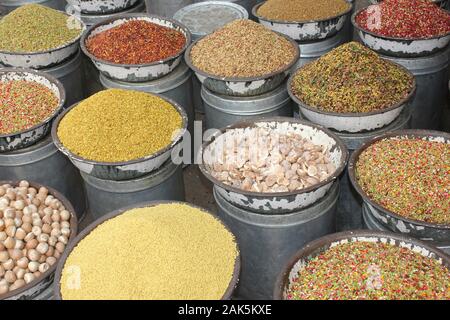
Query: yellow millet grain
[
  {"x": 117, "y": 125},
  {"x": 169, "y": 251}
]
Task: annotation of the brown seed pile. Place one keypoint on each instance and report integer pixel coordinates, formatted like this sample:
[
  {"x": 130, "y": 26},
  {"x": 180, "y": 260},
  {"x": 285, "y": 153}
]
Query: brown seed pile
[
  {"x": 177, "y": 252},
  {"x": 34, "y": 231},
  {"x": 241, "y": 49},
  {"x": 265, "y": 160},
  {"x": 302, "y": 10}
]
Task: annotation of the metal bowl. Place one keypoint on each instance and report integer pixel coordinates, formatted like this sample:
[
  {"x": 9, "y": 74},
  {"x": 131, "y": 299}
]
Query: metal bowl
[
  {"x": 305, "y": 30},
  {"x": 121, "y": 170},
  {"x": 317, "y": 247},
  {"x": 101, "y": 6},
  {"x": 22, "y": 139},
  {"x": 281, "y": 202},
  {"x": 86, "y": 231},
  {"x": 398, "y": 47},
  {"x": 440, "y": 3},
  {"x": 136, "y": 72},
  {"x": 354, "y": 122},
  {"x": 34, "y": 288},
  {"x": 392, "y": 220},
  {"x": 43, "y": 59},
  {"x": 243, "y": 87}
]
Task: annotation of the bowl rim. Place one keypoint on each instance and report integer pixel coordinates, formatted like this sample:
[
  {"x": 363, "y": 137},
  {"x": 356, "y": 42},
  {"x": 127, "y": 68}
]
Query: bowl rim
[
  {"x": 398, "y": 39},
  {"x": 64, "y": 46},
  {"x": 52, "y": 80},
  {"x": 188, "y": 60},
  {"x": 399, "y": 104},
  {"x": 60, "y": 146},
  {"x": 258, "y": 5},
  {"x": 115, "y": 213},
  {"x": 283, "y": 277},
  {"x": 406, "y": 133},
  {"x": 130, "y": 16},
  {"x": 73, "y": 228},
  {"x": 250, "y": 123}
]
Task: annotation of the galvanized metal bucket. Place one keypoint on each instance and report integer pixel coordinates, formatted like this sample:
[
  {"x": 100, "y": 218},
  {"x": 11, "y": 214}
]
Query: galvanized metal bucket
[
  {"x": 166, "y": 8},
  {"x": 268, "y": 241}
]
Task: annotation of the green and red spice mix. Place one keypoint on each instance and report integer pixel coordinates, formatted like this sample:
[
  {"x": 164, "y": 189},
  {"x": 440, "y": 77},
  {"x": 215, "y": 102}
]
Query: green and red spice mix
[
  {"x": 351, "y": 79},
  {"x": 370, "y": 271},
  {"x": 136, "y": 42},
  {"x": 408, "y": 176},
  {"x": 405, "y": 19},
  {"x": 24, "y": 104}
]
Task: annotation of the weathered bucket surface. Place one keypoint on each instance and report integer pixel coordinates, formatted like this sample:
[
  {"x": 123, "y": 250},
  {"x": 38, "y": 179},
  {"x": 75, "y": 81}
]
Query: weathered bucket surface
[
  {"x": 221, "y": 110},
  {"x": 348, "y": 27},
  {"x": 104, "y": 196},
  {"x": 44, "y": 164},
  {"x": 268, "y": 241},
  {"x": 350, "y": 203},
  {"x": 432, "y": 74},
  {"x": 372, "y": 224},
  {"x": 247, "y": 4},
  {"x": 166, "y": 8},
  {"x": 9, "y": 5}
]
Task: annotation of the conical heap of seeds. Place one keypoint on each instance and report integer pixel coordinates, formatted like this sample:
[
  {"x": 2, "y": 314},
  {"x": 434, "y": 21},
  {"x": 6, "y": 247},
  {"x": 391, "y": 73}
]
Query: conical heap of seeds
[
  {"x": 371, "y": 271},
  {"x": 242, "y": 48},
  {"x": 302, "y": 10},
  {"x": 351, "y": 79},
  {"x": 169, "y": 251},
  {"x": 418, "y": 172},
  {"x": 117, "y": 125},
  {"x": 35, "y": 28}
]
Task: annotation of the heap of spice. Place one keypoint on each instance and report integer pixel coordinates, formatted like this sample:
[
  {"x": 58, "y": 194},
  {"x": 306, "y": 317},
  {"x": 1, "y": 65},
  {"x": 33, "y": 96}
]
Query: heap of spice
[
  {"x": 34, "y": 231},
  {"x": 178, "y": 252},
  {"x": 24, "y": 104},
  {"x": 405, "y": 19},
  {"x": 351, "y": 79},
  {"x": 302, "y": 10},
  {"x": 136, "y": 42},
  {"x": 267, "y": 160},
  {"x": 418, "y": 172},
  {"x": 36, "y": 28},
  {"x": 241, "y": 49},
  {"x": 118, "y": 125},
  {"x": 371, "y": 271}
]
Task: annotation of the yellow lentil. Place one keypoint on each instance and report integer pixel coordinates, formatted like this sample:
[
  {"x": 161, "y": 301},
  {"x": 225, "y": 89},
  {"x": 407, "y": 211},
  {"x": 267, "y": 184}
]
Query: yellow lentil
[
  {"x": 169, "y": 251},
  {"x": 117, "y": 125}
]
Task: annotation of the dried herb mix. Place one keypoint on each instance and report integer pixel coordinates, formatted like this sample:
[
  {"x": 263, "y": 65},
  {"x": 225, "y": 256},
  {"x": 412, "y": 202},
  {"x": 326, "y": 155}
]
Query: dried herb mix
[
  {"x": 118, "y": 125},
  {"x": 302, "y": 10},
  {"x": 406, "y": 19},
  {"x": 24, "y": 104},
  {"x": 351, "y": 79},
  {"x": 178, "y": 252},
  {"x": 35, "y": 28},
  {"x": 136, "y": 42},
  {"x": 371, "y": 271},
  {"x": 242, "y": 48},
  {"x": 408, "y": 176}
]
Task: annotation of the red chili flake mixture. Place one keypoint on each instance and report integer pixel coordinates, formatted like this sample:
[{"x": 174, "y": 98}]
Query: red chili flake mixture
[
  {"x": 136, "y": 42},
  {"x": 410, "y": 177},
  {"x": 24, "y": 104},
  {"x": 406, "y": 19},
  {"x": 371, "y": 271}
]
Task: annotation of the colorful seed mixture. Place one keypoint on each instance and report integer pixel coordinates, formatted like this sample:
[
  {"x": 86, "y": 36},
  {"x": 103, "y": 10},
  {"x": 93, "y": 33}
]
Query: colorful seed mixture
[
  {"x": 371, "y": 271},
  {"x": 302, "y": 10},
  {"x": 405, "y": 19},
  {"x": 136, "y": 42},
  {"x": 178, "y": 252},
  {"x": 24, "y": 104},
  {"x": 351, "y": 79},
  {"x": 242, "y": 48},
  {"x": 419, "y": 174},
  {"x": 35, "y": 28}
]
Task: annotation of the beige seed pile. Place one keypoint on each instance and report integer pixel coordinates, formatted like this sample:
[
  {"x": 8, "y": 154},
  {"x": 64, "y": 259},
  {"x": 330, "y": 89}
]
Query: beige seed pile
[
  {"x": 169, "y": 251},
  {"x": 242, "y": 48},
  {"x": 264, "y": 160}
]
